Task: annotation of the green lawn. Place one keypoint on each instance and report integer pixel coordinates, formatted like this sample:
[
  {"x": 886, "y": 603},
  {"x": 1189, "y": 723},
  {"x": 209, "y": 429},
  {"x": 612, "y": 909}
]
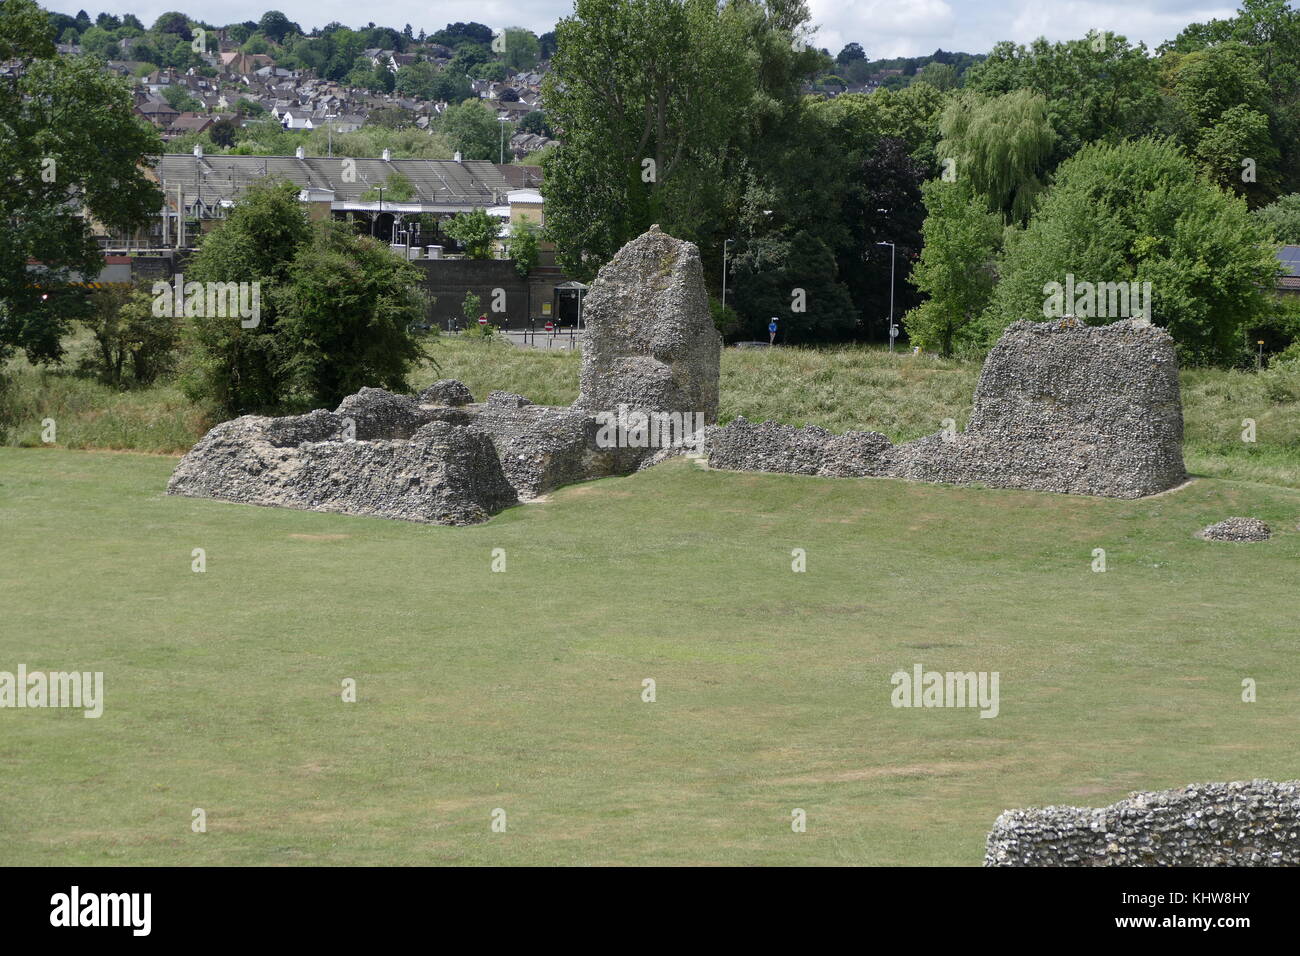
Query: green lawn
[{"x": 522, "y": 690}]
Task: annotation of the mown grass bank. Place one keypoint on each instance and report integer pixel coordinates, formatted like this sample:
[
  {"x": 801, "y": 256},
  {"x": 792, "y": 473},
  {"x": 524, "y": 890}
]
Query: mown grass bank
[{"x": 522, "y": 690}]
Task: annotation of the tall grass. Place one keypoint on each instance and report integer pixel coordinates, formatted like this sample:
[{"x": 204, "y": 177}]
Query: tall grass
[{"x": 851, "y": 387}]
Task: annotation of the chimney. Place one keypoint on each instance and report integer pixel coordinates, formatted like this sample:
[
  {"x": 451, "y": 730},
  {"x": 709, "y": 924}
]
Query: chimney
[
  {"x": 456, "y": 157},
  {"x": 198, "y": 150},
  {"x": 387, "y": 155},
  {"x": 300, "y": 153}
]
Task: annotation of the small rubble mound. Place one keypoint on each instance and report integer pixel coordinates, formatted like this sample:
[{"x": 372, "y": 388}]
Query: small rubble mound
[
  {"x": 1236, "y": 529},
  {"x": 741, "y": 445},
  {"x": 1244, "y": 823},
  {"x": 375, "y": 413},
  {"x": 446, "y": 391}
]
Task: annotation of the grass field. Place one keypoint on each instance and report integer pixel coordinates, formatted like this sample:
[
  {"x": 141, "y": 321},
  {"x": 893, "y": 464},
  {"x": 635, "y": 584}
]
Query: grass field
[{"x": 522, "y": 690}]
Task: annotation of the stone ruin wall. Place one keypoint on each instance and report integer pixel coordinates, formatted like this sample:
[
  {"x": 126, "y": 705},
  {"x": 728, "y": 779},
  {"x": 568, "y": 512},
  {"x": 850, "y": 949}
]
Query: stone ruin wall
[
  {"x": 1245, "y": 823},
  {"x": 1058, "y": 408},
  {"x": 441, "y": 458}
]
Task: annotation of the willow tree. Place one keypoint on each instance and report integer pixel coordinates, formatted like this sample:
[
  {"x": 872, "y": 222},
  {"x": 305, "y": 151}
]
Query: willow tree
[{"x": 1000, "y": 146}]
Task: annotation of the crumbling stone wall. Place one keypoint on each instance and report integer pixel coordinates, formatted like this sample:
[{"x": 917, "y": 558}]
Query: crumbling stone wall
[
  {"x": 437, "y": 473},
  {"x": 650, "y": 342},
  {"x": 1091, "y": 410},
  {"x": 1059, "y": 407},
  {"x": 440, "y": 457},
  {"x": 1245, "y": 823}
]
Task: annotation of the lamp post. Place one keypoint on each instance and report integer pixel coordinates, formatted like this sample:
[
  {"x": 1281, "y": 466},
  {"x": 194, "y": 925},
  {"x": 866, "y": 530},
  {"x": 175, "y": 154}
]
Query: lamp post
[
  {"x": 892, "y": 250},
  {"x": 375, "y": 221},
  {"x": 503, "y": 120},
  {"x": 724, "y": 270}
]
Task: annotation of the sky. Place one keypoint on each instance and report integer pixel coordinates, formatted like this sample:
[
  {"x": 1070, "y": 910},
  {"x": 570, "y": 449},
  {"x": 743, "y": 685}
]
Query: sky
[{"x": 885, "y": 28}]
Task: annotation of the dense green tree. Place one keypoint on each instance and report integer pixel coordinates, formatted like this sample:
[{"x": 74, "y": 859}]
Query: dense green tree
[
  {"x": 851, "y": 52},
  {"x": 955, "y": 268},
  {"x": 238, "y": 369},
  {"x": 1140, "y": 212},
  {"x": 522, "y": 49},
  {"x": 1282, "y": 218},
  {"x": 91, "y": 160},
  {"x": 175, "y": 23},
  {"x": 417, "y": 79},
  {"x": 475, "y": 231},
  {"x": 179, "y": 98},
  {"x": 132, "y": 344},
  {"x": 276, "y": 26},
  {"x": 794, "y": 280},
  {"x": 644, "y": 94},
  {"x": 1100, "y": 88},
  {"x": 942, "y": 76},
  {"x": 473, "y": 129},
  {"x": 343, "y": 318},
  {"x": 535, "y": 122},
  {"x": 523, "y": 247}
]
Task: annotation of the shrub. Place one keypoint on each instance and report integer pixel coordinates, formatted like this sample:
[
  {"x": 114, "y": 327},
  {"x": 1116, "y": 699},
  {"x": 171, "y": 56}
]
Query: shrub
[{"x": 124, "y": 328}]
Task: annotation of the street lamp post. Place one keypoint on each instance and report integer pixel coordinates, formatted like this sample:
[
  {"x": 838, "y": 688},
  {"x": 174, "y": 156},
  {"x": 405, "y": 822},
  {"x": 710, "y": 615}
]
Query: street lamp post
[
  {"x": 503, "y": 120},
  {"x": 892, "y": 250},
  {"x": 375, "y": 221},
  {"x": 724, "y": 270}
]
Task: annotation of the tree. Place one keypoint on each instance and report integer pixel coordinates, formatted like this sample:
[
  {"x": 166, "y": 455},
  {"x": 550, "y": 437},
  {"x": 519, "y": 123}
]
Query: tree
[
  {"x": 91, "y": 161},
  {"x": 124, "y": 328},
  {"x": 523, "y": 247},
  {"x": 1097, "y": 88},
  {"x": 796, "y": 281},
  {"x": 882, "y": 203},
  {"x": 475, "y": 231},
  {"x": 645, "y": 94},
  {"x": 942, "y": 76},
  {"x": 343, "y": 318},
  {"x": 851, "y": 52},
  {"x": 397, "y": 188},
  {"x": 98, "y": 42},
  {"x": 417, "y": 79},
  {"x": 1002, "y": 145},
  {"x": 535, "y": 123},
  {"x": 238, "y": 369},
  {"x": 450, "y": 87},
  {"x": 522, "y": 49},
  {"x": 1282, "y": 218},
  {"x": 493, "y": 72},
  {"x": 1225, "y": 99},
  {"x": 222, "y": 133},
  {"x": 175, "y": 23},
  {"x": 955, "y": 268},
  {"x": 472, "y": 129},
  {"x": 1237, "y": 152},
  {"x": 1139, "y": 212},
  {"x": 179, "y": 98},
  {"x": 276, "y": 26}
]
